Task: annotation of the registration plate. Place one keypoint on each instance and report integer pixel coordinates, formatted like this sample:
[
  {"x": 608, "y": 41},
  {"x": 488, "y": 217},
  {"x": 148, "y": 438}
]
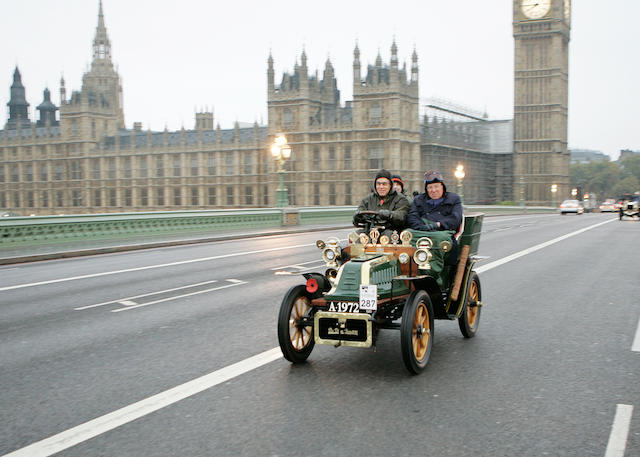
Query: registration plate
[{"x": 344, "y": 307}]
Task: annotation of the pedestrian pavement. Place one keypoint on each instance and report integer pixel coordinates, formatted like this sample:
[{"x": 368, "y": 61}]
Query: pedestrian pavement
[{"x": 77, "y": 248}]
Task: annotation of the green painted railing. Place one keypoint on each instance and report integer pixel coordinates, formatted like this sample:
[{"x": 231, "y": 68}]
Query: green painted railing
[{"x": 41, "y": 230}]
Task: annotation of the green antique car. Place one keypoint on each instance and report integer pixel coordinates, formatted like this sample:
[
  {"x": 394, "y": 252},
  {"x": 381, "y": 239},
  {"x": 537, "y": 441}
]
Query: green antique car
[{"x": 384, "y": 282}]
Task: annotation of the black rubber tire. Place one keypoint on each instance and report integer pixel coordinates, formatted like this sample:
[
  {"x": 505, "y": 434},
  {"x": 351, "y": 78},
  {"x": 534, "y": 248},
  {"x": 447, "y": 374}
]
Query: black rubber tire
[
  {"x": 416, "y": 331},
  {"x": 469, "y": 320},
  {"x": 296, "y": 344}
]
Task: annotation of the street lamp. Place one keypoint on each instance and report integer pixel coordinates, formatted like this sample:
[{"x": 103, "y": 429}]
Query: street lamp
[
  {"x": 459, "y": 174},
  {"x": 281, "y": 151},
  {"x": 574, "y": 192},
  {"x": 521, "y": 191},
  {"x": 554, "y": 189}
]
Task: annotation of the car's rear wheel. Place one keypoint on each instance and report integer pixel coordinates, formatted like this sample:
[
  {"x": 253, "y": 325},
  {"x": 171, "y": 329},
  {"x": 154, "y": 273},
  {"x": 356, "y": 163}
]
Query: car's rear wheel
[
  {"x": 416, "y": 332},
  {"x": 469, "y": 320},
  {"x": 296, "y": 341}
]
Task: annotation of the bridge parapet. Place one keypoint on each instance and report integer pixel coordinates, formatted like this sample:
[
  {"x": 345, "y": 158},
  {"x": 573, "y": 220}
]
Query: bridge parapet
[{"x": 39, "y": 230}]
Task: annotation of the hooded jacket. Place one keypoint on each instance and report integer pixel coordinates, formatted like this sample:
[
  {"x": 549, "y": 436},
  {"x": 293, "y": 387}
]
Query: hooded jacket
[
  {"x": 394, "y": 202},
  {"x": 448, "y": 212}
]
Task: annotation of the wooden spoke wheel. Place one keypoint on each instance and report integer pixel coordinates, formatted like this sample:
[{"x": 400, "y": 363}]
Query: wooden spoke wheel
[
  {"x": 416, "y": 331},
  {"x": 296, "y": 340},
  {"x": 469, "y": 320}
]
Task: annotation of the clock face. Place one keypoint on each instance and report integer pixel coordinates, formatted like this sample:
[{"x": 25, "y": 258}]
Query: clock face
[
  {"x": 535, "y": 9},
  {"x": 567, "y": 10}
]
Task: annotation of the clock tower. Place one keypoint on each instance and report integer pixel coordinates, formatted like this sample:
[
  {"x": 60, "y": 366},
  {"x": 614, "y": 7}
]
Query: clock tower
[{"x": 541, "y": 31}]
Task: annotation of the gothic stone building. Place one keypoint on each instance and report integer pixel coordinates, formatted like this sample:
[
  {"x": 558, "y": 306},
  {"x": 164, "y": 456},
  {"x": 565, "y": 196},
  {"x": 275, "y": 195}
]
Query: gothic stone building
[{"x": 88, "y": 162}]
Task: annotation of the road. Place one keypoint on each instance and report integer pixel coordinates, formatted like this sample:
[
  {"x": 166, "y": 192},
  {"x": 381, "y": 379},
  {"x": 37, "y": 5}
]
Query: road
[{"x": 173, "y": 352}]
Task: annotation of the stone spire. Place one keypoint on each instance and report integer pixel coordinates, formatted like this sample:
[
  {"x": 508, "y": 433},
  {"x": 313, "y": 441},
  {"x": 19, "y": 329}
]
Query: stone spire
[
  {"x": 18, "y": 106},
  {"x": 101, "y": 43},
  {"x": 394, "y": 54},
  {"x": 414, "y": 65},
  {"x": 270, "y": 73},
  {"x": 63, "y": 91},
  {"x": 356, "y": 66}
]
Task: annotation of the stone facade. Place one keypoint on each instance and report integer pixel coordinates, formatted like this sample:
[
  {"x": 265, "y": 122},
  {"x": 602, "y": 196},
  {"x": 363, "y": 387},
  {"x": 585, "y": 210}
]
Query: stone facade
[
  {"x": 541, "y": 32},
  {"x": 88, "y": 162}
]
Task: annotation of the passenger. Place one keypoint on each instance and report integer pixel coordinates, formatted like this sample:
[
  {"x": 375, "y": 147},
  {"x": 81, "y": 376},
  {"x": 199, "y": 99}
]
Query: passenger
[
  {"x": 435, "y": 209},
  {"x": 392, "y": 207},
  {"x": 436, "y": 214},
  {"x": 398, "y": 186}
]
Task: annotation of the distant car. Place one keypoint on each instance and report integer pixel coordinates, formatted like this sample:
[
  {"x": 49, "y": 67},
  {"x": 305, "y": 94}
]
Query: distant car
[
  {"x": 8, "y": 214},
  {"x": 571, "y": 206},
  {"x": 608, "y": 206}
]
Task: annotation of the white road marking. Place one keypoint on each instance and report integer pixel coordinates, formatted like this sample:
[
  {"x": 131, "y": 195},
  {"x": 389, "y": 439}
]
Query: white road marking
[
  {"x": 178, "y": 296},
  {"x": 297, "y": 265},
  {"x": 99, "y": 425},
  {"x": 127, "y": 303},
  {"x": 499, "y": 219},
  {"x": 619, "y": 431},
  {"x": 635, "y": 347},
  {"x": 102, "y": 424},
  {"x": 150, "y": 267},
  {"x": 144, "y": 295},
  {"x": 236, "y": 281},
  {"x": 535, "y": 248}
]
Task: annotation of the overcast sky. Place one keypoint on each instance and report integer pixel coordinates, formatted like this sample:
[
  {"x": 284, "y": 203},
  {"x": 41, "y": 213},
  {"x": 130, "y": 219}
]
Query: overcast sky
[{"x": 176, "y": 57}]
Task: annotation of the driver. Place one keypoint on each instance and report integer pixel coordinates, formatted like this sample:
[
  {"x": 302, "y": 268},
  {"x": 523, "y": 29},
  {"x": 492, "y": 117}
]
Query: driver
[{"x": 392, "y": 207}]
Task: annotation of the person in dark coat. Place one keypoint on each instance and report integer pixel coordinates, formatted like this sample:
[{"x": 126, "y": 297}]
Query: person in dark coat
[
  {"x": 436, "y": 214},
  {"x": 435, "y": 209},
  {"x": 391, "y": 206}
]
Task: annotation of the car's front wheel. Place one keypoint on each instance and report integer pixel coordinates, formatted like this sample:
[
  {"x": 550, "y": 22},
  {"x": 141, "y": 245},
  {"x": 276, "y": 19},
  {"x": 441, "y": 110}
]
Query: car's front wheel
[
  {"x": 296, "y": 340},
  {"x": 416, "y": 332}
]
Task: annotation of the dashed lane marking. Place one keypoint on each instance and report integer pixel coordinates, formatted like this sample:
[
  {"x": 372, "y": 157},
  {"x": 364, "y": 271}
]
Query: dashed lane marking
[
  {"x": 128, "y": 308},
  {"x": 127, "y": 303},
  {"x": 619, "y": 431},
  {"x": 150, "y": 267},
  {"x": 120, "y": 300},
  {"x": 297, "y": 265},
  {"x": 635, "y": 347}
]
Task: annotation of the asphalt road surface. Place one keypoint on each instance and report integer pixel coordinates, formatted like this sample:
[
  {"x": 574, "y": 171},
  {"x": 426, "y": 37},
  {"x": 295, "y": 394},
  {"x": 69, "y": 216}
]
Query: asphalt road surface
[{"x": 174, "y": 352}]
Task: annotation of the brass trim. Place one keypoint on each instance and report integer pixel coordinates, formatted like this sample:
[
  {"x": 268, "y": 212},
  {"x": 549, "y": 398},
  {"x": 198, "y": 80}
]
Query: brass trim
[
  {"x": 345, "y": 316},
  {"x": 365, "y": 271},
  {"x": 336, "y": 281}
]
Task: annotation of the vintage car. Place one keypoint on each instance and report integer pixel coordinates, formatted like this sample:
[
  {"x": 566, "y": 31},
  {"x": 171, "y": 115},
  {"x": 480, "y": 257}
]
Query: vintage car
[
  {"x": 380, "y": 282},
  {"x": 630, "y": 206}
]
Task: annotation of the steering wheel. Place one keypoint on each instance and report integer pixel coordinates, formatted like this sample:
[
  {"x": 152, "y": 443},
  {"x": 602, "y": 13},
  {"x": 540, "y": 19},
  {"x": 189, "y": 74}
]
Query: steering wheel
[{"x": 368, "y": 219}]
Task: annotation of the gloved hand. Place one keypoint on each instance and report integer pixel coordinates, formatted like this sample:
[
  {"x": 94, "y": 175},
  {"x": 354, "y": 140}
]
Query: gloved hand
[
  {"x": 432, "y": 227},
  {"x": 358, "y": 219},
  {"x": 384, "y": 214}
]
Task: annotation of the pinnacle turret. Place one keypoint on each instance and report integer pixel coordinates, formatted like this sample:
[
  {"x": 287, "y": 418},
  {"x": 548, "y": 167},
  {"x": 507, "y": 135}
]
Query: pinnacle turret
[{"x": 18, "y": 106}]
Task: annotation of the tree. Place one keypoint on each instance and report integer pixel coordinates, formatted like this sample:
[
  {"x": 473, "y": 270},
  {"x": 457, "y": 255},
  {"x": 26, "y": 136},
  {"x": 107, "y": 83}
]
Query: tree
[
  {"x": 630, "y": 184},
  {"x": 595, "y": 177},
  {"x": 631, "y": 166}
]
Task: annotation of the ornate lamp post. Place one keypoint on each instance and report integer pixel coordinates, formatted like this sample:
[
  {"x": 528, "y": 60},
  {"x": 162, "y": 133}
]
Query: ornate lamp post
[
  {"x": 281, "y": 151},
  {"x": 521, "y": 191},
  {"x": 554, "y": 189},
  {"x": 459, "y": 174}
]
